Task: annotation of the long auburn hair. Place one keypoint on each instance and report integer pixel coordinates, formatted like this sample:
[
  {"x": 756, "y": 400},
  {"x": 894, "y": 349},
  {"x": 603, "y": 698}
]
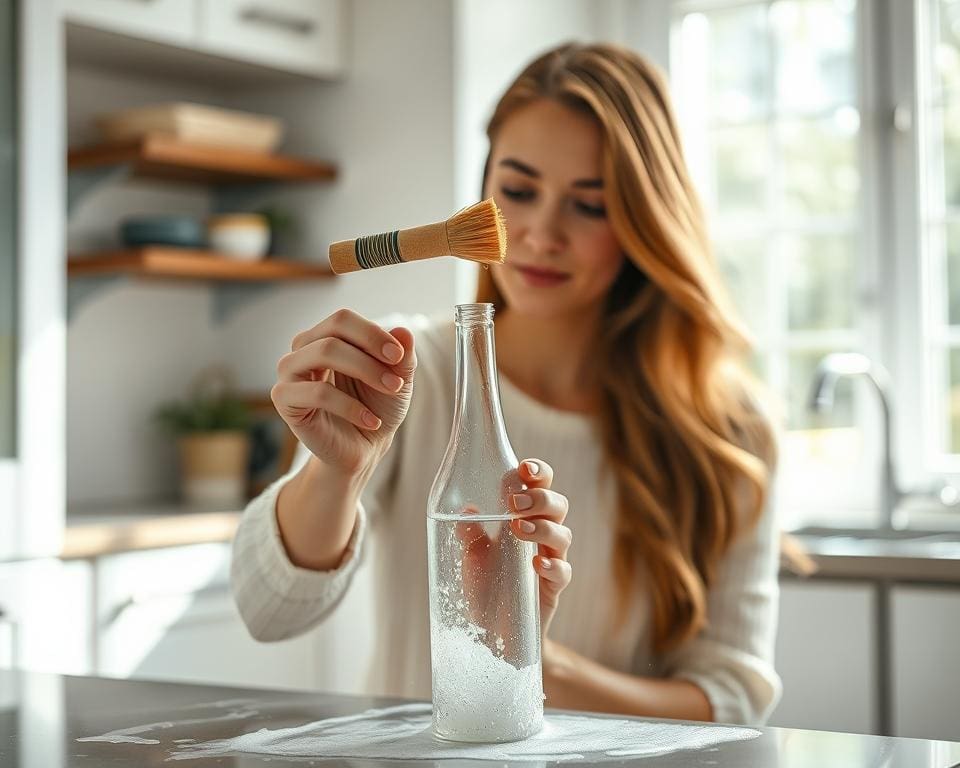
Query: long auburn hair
[{"x": 690, "y": 451}]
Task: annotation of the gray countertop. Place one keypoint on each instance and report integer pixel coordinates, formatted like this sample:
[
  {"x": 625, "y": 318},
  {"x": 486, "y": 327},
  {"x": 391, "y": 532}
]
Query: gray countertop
[
  {"x": 923, "y": 560},
  {"x": 42, "y": 716}
]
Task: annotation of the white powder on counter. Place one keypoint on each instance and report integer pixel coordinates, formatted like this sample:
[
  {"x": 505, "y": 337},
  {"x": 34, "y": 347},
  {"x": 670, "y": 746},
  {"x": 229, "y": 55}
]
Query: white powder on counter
[
  {"x": 405, "y": 733},
  {"x": 478, "y": 696},
  {"x": 130, "y": 735}
]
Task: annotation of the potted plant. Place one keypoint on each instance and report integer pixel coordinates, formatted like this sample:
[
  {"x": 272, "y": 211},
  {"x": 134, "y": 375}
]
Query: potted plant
[
  {"x": 282, "y": 225},
  {"x": 213, "y": 439}
]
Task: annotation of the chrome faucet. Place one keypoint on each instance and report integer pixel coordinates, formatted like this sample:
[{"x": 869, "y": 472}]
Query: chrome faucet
[{"x": 829, "y": 371}]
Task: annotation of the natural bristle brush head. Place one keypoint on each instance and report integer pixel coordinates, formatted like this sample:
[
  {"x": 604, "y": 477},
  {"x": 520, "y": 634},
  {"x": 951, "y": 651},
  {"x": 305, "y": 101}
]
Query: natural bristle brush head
[{"x": 478, "y": 233}]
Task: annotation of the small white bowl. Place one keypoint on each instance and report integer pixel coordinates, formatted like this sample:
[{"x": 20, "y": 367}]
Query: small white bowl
[{"x": 241, "y": 236}]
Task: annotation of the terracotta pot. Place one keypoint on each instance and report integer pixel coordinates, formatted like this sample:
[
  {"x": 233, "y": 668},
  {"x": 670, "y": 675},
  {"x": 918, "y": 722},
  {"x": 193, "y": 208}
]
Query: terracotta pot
[{"x": 213, "y": 467}]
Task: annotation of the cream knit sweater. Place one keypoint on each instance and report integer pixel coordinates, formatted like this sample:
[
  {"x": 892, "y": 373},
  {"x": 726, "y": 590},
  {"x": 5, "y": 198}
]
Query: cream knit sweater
[{"x": 731, "y": 660}]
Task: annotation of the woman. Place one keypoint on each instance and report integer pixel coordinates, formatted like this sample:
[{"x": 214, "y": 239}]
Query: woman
[{"x": 619, "y": 366}]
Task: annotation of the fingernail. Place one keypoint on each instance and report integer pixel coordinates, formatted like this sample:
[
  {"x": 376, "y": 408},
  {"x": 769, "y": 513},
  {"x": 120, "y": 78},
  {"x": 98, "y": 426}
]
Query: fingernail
[
  {"x": 391, "y": 381},
  {"x": 393, "y": 352},
  {"x": 522, "y": 501},
  {"x": 526, "y": 526},
  {"x": 532, "y": 467},
  {"x": 368, "y": 418},
  {"x": 545, "y": 563}
]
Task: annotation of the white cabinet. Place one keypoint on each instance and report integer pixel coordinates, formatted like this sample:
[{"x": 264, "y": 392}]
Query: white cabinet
[
  {"x": 167, "y": 21},
  {"x": 168, "y": 614},
  {"x": 926, "y": 662},
  {"x": 297, "y": 35},
  {"x": 826, "y": 656},
  {"x": 46, "y": 607}
]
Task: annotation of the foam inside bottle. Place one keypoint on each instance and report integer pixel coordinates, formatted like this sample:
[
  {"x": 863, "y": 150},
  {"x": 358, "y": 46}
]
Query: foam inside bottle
[{"x": 487, "y": 687}]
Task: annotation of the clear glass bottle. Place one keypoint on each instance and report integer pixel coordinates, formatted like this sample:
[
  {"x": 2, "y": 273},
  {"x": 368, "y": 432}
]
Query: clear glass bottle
[{"x": 484, "y": 599}]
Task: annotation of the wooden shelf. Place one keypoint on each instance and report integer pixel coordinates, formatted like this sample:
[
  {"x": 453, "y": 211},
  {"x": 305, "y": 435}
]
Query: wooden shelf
[
  {"x": 162, "y": 157},
  {"x": 185, "y": 263}
]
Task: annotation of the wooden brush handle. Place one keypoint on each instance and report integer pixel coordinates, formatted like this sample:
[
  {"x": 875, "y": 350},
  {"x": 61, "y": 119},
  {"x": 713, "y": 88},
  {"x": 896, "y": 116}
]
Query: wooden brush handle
[{"x": 426, "y": 242}]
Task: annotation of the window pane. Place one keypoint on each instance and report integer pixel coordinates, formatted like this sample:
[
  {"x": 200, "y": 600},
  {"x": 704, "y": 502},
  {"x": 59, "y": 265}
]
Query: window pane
[
  {"x": 953, "y": 273},
  {"x": 820, "y": 169},
  {"x": 947, "y": 57},
  {"x": 801, "y": 366},
  {"x": 740, "y": 170},
  {"x": 941, "y": 205},
  {"x": 953, "y": 402},
  {"x": 759, "y": 365},
  {"x": 743, "y": 266},
  {"x": 948, "y": 119},
  {"x": 734, "y": 41},
  {"x": 821, "y": 282},
  {"x": 769, "y": 107},
  {"x": 814, "y": 44}
]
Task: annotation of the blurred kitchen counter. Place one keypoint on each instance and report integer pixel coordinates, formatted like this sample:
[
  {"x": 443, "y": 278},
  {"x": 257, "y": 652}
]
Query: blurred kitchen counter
[
  {"x": 842, "y": 557},
  {"x": 91, "y": 533}
]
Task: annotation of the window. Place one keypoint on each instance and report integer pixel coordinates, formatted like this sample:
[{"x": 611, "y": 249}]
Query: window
[
  {"x": 769, "y": 100},
  {"x": 939, "y": 107}
]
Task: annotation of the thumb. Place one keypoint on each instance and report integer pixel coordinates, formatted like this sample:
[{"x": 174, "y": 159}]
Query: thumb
[{"x": 408, "y": 363}]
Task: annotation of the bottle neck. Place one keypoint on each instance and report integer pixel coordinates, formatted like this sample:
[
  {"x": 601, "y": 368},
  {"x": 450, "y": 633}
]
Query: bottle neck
[{"x": 477, "y": 415}]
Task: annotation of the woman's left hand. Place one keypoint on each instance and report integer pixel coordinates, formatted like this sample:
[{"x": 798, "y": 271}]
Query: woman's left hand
[{"x": 540, "y": 515}]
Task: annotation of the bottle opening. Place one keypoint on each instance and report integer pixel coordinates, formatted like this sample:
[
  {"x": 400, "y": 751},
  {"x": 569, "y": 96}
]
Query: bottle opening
[{"x": 474, "y": 314}]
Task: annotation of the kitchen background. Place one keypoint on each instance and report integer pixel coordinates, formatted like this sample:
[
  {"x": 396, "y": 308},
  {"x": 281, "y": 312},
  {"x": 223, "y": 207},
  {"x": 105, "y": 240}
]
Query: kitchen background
[{"x": 825, "y": 139}]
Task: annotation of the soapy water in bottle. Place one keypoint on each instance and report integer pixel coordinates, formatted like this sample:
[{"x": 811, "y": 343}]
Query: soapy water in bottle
[{"x": 487, "y": 678}]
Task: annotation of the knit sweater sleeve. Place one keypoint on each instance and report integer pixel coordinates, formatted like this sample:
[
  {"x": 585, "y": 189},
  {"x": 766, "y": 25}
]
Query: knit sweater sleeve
[
  {"x": 277, "y": 599},
  {"x": 732, "y": 658}
]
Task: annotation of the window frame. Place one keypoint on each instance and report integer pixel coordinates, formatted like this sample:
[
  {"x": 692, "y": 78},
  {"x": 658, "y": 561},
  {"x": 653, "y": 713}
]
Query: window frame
[{"x": 905, "y": 247}]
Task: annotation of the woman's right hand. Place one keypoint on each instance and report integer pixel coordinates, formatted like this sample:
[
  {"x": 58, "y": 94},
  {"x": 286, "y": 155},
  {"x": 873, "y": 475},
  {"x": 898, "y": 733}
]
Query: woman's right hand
[{"x": 345, "y": 387}]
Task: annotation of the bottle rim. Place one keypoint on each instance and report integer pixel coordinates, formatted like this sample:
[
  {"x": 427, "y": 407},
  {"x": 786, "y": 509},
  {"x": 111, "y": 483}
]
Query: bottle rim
[{"x": 474, "y": 314}]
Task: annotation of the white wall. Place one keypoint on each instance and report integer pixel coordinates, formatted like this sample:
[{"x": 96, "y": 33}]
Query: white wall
[
  {"x": 388, "y": 124},
  {"x": 643, "y": 25},
  {"x": 496, "y": 39},
  {"x": 132, "y": 345}
]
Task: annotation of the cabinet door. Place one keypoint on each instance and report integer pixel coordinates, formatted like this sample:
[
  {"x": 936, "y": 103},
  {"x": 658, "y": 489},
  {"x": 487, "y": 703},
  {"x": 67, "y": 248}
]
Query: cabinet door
[
  {"x": 169, "y": 615},
  {"x": 168, "y": 21},
  {"x": 826, "y": 656},
  {"x": 46, "y": 606},
  {"x": 296, "y": 35},
  {"x": 926, "y": 662}
]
